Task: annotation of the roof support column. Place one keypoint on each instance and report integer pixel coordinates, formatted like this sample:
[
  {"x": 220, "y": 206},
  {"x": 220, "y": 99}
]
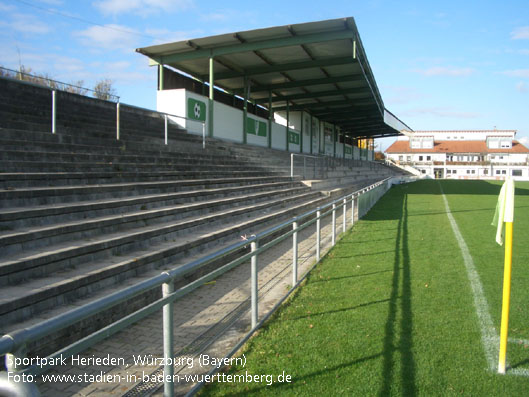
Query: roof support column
[
  {"x": 343, "y": 144},
  {"x": 301, "y": 134},
  {"x": 211, "y": 96},
  {"x": 270, "y": 118},
  {"x": 311, "y": 133},
  {"x": 160, "y": 77},
  {"x": 245, "y": 110},
  {"x": 288, "y": 116},
  {"x": 334, "y": 139}
]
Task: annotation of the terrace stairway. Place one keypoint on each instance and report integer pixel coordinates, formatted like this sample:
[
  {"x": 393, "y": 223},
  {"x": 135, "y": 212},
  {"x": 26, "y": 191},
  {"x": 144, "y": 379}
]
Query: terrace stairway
[{"x": 83, "y": 214}]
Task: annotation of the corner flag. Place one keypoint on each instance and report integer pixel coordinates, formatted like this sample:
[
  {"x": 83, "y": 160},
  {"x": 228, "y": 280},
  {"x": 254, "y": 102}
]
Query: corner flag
[
  {"x": 505, "y": 213},
  {"x": 504, "y": 208}
]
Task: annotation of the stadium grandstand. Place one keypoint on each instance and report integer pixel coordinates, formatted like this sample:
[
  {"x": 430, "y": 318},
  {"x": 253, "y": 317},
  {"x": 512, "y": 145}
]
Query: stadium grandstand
[{"x": 110, "y": 212}]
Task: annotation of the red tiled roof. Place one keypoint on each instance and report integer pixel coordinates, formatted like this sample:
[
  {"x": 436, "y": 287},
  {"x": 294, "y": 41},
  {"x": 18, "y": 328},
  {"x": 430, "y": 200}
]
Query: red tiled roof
[
  {"x": 455, "y": 147},
  {"x": 415, "y": 132}
]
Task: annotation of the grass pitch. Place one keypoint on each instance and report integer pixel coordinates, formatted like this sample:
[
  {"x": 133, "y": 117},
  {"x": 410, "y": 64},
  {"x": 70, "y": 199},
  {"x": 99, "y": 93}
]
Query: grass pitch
[{"x": 390, "y": 310}]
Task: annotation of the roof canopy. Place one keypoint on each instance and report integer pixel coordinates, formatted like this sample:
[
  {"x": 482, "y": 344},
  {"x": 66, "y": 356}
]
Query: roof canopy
[{"x": 318, "y": 67}]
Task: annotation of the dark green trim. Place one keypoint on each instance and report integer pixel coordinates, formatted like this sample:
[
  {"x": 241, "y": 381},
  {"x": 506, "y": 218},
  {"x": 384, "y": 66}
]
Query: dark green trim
[
  {"x": 287, "y": 66},
  {"x": 317, "y": 105},
  {"x": 347, "y": 91},
  {"x": 307, "y": 83}
]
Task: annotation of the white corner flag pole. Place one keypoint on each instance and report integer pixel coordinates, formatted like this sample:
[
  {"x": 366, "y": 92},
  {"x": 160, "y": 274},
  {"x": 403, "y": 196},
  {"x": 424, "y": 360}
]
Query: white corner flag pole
[{"x": 505, "y": 213}]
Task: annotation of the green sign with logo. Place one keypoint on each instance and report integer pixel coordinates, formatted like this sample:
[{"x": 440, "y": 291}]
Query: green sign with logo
[
  {"x": 293, "y": 137},
  {"x": 255, "y": 127},
  {"x": 196, "y": 110},
  {"x": 348, "y": 150}
]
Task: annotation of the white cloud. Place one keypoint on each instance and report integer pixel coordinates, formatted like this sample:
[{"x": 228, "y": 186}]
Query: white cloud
[
  {"x": 109, "y": 37},
  {"x": 524, "y": 73},
  {"x": 27, "y": 24},
  {"x": 166, "y": 35},
  {"x": 141, "y": 7},
  {"x": 445, "y": 71},
  {"x": 401, "y": 95},
  {"x": 440, "y": 112},
  {"x": 522, "y": 86},
  {"x": 520, "y": 33}
]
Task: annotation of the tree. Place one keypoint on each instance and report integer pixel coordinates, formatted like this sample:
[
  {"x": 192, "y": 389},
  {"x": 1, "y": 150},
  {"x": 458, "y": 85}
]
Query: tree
[{"x": 104, "y": 89}]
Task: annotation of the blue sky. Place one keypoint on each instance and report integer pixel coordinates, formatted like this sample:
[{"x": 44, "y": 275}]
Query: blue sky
[{"x": 438, "y": 65}]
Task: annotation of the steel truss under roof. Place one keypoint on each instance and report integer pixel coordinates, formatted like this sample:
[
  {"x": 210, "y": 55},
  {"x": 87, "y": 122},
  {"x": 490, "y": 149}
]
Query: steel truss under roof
[{"x": 317, "y": 67}]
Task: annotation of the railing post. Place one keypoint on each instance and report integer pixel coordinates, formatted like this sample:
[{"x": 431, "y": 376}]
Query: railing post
[
  {"x": 26, "y": 385},
  {"x": 292, "y": 165},
  {"x": 255, "y": 314},
  {"x": 318, "y": 234},
  {"x": 53, "y": 112},
  {"x": 333, "y": 224},
  {"x": 294, "y": 254},
  {"x": 344, "y": 214},
  {"x": 304, "y": 166},
  {"x": 165, "y": 117},
  {"x": 168, "y": 342},
  {"x": 117, "y": 120},
  {"x": 352, "y": 209},
  {"x": 204, "y": 135}
]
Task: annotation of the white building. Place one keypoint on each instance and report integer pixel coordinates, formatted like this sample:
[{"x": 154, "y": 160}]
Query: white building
[{"x": 462, "y": 154}]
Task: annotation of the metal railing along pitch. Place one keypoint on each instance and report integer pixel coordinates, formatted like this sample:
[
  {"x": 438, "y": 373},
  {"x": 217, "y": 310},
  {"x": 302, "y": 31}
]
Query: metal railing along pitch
[{"x": 13, "y": 345}]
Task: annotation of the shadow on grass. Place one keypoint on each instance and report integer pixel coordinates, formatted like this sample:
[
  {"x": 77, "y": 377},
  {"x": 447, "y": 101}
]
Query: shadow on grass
[
  {"x": 521, "y": 363},
  {"x": 404, "y": 345},
  {"x": 324, "y": 280},
  {"x": 339, "y": 310}
]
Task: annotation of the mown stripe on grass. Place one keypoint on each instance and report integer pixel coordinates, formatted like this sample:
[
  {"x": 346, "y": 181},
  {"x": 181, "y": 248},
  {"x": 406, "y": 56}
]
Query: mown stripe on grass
[{"x": 489, "y": 335}]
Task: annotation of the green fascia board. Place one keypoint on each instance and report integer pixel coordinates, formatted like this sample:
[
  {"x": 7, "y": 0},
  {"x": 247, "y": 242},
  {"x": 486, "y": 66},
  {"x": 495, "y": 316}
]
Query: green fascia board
[
  {"x": 255, "y": 46},
  {"x": 306, "y": 83},
  {"x": 285, "y": 67},
  {"x": 335, "y": 92}
]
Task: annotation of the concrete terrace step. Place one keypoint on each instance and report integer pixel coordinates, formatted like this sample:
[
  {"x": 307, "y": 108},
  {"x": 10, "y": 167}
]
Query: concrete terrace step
[
  {"x": 14, "y": 218},
  {"x": 30, "y": 238},
  {"x": 16, "y": 303},
  {"x": 63, "y": 254},
  {"x": 37, "y": 179},
  {"x": 190, "y": 189}
]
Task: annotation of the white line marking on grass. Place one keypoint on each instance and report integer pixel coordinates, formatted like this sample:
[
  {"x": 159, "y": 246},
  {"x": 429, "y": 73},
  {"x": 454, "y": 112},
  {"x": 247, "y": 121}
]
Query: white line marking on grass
[{"x": 489, "y": 335}]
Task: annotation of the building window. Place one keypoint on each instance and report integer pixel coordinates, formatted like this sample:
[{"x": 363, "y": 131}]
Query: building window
[
  {"x": 423, "y": 171},
  {"x": 454, "y": 172},
  {"x": 516, "y": 172},
  {"x": 420, "y": 158},
  {"x": 485, "y": 172},
  {"x": 473, "y": 171},
  {"x": 448, "y": 171},
  {"x": 503, "y": 172},
  {"x": 428, "y": 158},
  {"x": 401, "y": 158},
  {"x": 498, "y": 172},
  {"x": 468, "y": 171},
  {"x": 501, "y": 157},
  {"x": 409, "y": 159}
]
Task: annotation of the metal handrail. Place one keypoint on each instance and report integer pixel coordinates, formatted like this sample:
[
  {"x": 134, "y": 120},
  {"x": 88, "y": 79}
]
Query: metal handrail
[
  {"x": 13, "y": 345},
  {"x": 118, "y": 108}
]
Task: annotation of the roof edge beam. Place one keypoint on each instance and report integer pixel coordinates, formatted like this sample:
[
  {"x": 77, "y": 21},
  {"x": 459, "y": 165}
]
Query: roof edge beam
[{"x": 255, "y": 46}]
